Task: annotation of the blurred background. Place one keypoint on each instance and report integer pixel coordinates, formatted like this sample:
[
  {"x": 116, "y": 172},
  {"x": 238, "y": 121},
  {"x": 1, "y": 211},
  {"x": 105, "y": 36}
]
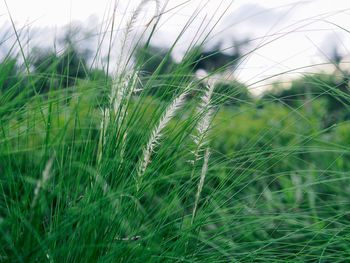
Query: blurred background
[
  {"x": 276, "y": 37},
  {"x": 278, "y": 180},
  {"x": 292, "y": 53}
]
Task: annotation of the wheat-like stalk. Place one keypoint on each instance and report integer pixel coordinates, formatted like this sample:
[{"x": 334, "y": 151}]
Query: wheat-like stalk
[
  {"x": 128, "y": 87},
  {"x": 203, "y": 123},
  {"x": 121, "y": 93},
  {"x": 42, "y": 182},
  {"x": 200, "y": 139},
  {"x": 124, "y": 86},
  {"x": 201, "y": 182},
  {"x": 157, "y": 133},
  {"x": 128, "y": 29},
  {"x": 130, "y": 25},
  {"x": 120, "y": 97},
  {"x": 102, "y": 139}
]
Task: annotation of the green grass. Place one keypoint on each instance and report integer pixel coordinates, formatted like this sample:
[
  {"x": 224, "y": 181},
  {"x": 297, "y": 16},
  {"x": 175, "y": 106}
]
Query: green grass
[{"x": 117, "y": 172}]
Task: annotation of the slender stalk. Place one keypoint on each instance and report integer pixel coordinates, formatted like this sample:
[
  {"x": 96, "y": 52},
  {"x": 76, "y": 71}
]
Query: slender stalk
[
  {"x": 203, "y": 124},
  {"x": 157, "y": 134},
  {"x": 42, "y": 182},
  {"x": 201, "y": 182}
]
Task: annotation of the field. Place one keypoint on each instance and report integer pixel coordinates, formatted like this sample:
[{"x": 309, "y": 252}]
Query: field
[{"x": 150, "y": 163}]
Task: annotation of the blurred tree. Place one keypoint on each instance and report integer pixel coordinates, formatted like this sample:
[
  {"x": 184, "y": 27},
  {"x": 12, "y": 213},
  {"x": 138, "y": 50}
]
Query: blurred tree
[
  {"x": 13, "y": 85},
  {"x": 161, "y": 74},
  {"x": 9, "y": 73},
  {"x": 334, "y": 88},
  {"x": 215, "y": 59},
  {"x": 158, "y": 63},
  {"x": 65, "y": 67},
  {"x": 151, "y": 57},
  {"x": 335, "y": 56},
  {"x": 231, "y": 93}
]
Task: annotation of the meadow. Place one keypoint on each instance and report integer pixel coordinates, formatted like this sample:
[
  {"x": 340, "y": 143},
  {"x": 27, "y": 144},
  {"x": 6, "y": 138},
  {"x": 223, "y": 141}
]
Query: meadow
[{"x": 150, "y": 163}]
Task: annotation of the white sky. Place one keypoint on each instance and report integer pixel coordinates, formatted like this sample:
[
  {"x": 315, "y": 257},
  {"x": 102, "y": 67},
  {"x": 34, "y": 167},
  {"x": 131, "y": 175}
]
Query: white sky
[{"x": 289, "y": 33}]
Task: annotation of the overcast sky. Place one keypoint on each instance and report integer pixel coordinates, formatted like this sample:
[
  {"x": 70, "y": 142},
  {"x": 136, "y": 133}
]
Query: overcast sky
[{"x": 287, "y": 34}]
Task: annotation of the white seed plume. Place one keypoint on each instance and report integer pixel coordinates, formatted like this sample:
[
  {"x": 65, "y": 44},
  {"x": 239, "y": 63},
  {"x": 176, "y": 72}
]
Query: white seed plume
[
  {"x": 201, "y": 182},
  {"x": 200, "y": 140},
  {"x": 157, "y": 132},
  {"x": 125, "y": 91},
  {"x": 42, "y": 182},
  {"x": 121, "y": 93},
  {"x": 204, "y": 122},
  {"x": 126, "y": 40},
  {"x": 102, "y": 140},
  {"x": 122, "y": 89},
  {"x": 120, "y": 96}
]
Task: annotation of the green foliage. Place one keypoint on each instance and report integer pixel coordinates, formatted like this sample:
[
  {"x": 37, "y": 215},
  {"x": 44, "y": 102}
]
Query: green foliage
[
  {"x": 94, "y": 171},
  {"x": 158, "y": 62},
  {"x": 151, "y": 58},
  {"x": 10, "y": 73},
  {"x": 160, "y": 71},
  {"x": 334, "y": 88},
  {"x": 215, "y": 59},
  {"x": 13, "y": 86},
  {"x": 232, "y": 93},
  {"x": 65, "y": 68}
]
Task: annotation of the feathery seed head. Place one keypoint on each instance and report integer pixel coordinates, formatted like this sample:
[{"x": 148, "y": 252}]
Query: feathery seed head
[
  {"x": 157, "y": 132},
  {"x": 201, "y": 182},
  {"x": 42, "y": 182}
]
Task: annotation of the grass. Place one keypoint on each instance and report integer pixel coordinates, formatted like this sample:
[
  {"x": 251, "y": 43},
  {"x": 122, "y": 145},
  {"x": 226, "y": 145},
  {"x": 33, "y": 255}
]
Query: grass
[{"x": 105, "y": 172}]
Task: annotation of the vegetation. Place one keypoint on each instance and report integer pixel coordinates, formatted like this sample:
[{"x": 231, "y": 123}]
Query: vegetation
[{"x": 155, "y": 165}]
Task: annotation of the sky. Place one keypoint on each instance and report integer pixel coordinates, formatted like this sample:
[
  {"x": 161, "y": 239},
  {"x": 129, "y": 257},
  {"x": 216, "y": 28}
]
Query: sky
[{"x": 284, "y": 36}]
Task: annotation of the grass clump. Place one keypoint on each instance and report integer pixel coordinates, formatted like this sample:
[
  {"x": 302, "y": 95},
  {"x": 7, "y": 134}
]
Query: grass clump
[{"x": 158, "y": 166}]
